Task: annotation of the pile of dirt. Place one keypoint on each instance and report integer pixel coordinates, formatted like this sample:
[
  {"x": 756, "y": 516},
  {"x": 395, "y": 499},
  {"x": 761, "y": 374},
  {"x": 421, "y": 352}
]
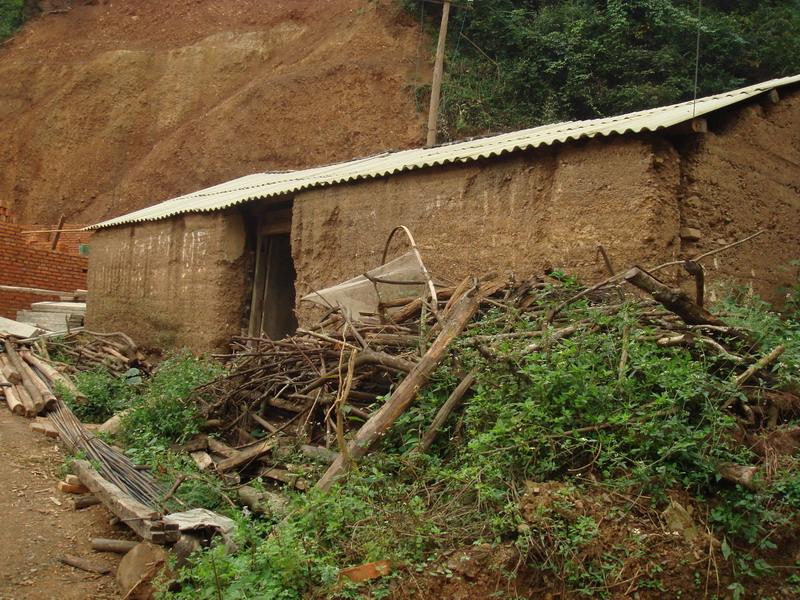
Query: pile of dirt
[{"x": 109, "y": 107}]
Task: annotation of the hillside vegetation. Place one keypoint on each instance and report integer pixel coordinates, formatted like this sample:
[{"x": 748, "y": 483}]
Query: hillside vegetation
[
  {"x": 596, "y": 457},
  {"x": 520, "y": 63}
]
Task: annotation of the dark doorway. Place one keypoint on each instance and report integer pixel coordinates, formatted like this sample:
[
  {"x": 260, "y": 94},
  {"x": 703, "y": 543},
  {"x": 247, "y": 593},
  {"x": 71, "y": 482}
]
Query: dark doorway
[{"x": 272, "y": 307}]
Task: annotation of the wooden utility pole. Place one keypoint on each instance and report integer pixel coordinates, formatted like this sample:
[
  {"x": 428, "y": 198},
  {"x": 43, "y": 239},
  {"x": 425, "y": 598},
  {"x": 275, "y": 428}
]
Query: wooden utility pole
[{"x": 436, "y": 87}]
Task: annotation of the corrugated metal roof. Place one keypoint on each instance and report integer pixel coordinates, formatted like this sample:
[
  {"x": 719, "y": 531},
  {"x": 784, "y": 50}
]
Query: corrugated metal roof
[{"x": 265, "y": 185}]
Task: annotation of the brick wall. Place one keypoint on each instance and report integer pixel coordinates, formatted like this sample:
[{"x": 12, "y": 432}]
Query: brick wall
[
  {"x": 24, "y": 265},
  {"x": 68, "y": 242}
]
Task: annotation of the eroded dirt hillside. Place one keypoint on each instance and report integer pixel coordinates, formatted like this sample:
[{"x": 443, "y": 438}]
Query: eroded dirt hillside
[{"x": 114, "y": 106}]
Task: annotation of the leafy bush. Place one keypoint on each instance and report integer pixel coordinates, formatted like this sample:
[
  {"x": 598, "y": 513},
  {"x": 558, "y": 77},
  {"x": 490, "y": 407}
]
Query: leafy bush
[
  {"x": 522, "y": 63},
  {"x": 164, "y": 415},
  {"x": 12, "y": 14},
  {"x": 105, "y": 393}
]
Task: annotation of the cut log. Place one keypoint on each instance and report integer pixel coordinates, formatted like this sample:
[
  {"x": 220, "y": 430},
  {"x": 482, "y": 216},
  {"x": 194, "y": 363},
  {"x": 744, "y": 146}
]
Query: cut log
[
  {"x": 47, "y": 396},
  {"x": 9, "y": 372},
  {"x": 245, "y": 456},
  {"x": 14, "y": 403},
  {"x": 380, "y": 422},
  {"x": 27, "y": 378},
  {"x": 115, "y": 546},
  {"x": 86, "y": 501},
  {"x": 441, "y": 416},
  {"x": 673, "y": 299},
  {"x": 27, "y": 401},
  {"x": 50, "y": 372},
  {"x": 85, "y": 565}
]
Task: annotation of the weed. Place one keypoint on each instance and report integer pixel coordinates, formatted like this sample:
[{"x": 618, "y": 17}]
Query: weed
[{"x": 563, "y": 416}]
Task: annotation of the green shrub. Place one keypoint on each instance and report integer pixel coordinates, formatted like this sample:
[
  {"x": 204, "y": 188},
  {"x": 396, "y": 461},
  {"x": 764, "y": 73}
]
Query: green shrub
[
  {"x": 12, "y": 14},
  {"x": 522, "y": 63},
  {"x": 563, "y": 415},
  {"x": 164, "y": 414},
  {"x": 105, "y": 393}
]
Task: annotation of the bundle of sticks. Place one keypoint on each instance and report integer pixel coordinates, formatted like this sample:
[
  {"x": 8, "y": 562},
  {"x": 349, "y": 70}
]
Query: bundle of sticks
[
  {"x": 295, "y": 382},
  {"x": 87, "y": 350},
  {"x": 360, "y": 376}
]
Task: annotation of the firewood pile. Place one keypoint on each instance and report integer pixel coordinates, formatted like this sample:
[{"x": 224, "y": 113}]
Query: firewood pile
[
  {"x": 295, "y": 385},
  {"x": 339, "y": 386},
  {"x": 30, "y": 373},
  {"x": 87, "y": 350}
]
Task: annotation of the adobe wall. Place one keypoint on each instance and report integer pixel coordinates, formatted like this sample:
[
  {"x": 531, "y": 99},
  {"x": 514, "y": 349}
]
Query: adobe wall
[
  {"x": 24, "y": 265},
  {"x": 521, "y": 214},
  {"x": 173, "y": 283},
  {"x": 743, "y": 176}
]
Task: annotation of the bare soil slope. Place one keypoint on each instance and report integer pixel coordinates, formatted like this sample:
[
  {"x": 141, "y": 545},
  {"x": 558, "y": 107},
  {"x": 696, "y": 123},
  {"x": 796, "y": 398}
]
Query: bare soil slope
[{"x": 114, "y": 106}]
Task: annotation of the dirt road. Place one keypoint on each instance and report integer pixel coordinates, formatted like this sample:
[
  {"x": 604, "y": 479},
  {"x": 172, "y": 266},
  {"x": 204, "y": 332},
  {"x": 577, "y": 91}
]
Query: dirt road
[{"x": 35, "y": 530}]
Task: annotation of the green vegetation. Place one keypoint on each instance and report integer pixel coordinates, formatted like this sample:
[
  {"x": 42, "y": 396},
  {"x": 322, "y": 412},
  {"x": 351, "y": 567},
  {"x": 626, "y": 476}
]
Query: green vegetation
[
  {"x": 159, "y": 416},
  {"x": 520, "y": 63},
  {"x": 12, "y": 15},
  {"x": 560, "y": 456},
  {"x": 105, "y": 394}
]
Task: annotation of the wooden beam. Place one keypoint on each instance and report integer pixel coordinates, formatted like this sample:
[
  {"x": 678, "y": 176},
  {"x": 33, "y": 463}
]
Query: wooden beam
[
  {"x": 57, "y": 233},
  {"x": 34, "y": 291},
  {"x": 379, "y": 423},
  {"x": 147, "y": 523},
  {"x": 692, "y": 126}
]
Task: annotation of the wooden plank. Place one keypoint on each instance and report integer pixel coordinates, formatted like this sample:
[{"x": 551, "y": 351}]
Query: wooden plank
[
  {"x": 130, "y": 511},
  {"x": 257, "y": 297}
]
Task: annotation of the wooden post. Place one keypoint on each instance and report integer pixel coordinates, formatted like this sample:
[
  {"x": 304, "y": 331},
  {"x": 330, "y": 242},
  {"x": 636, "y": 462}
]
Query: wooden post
[
  {"x": 57, "y": 233},
  {"x": 436, "y": 86}
]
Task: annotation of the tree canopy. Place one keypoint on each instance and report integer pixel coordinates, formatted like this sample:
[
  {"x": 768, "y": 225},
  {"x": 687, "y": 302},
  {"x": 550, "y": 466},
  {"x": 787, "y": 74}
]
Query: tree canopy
[{"x": 520, "y": 63}]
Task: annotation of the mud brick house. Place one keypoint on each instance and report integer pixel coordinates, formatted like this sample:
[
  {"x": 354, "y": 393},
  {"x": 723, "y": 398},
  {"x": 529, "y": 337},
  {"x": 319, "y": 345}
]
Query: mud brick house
[{"x": 649, "y": 186}]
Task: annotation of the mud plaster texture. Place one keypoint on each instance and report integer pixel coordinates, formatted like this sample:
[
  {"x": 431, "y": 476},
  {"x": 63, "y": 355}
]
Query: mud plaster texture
[
  {"x": 521, "y": 214},
  {"x": 743, "y": 176},
  {"x": 185, "y": 281},
  {"x": 173, "y": 283}
]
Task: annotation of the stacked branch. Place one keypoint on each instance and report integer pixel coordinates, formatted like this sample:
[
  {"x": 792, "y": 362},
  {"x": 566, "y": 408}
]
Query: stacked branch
[
  {"x": 340, "y": 386},
  {"x": 88, "y": 350}
]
